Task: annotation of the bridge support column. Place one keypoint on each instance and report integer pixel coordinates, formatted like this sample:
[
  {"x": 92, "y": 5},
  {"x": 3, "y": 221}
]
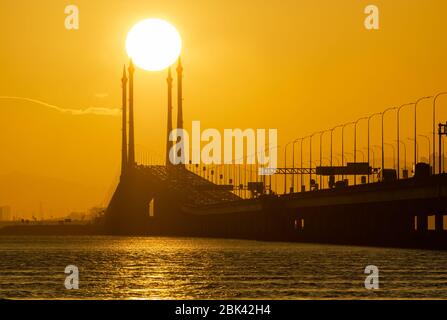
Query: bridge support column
[
  {"x": 439, "y": 222},
  {"x": 422, "y": 223}
]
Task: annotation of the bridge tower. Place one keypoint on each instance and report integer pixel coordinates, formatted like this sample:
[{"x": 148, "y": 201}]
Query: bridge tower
[
  {"x": 131, "y": 158},
  {"x": 169, "y": 143},
  {"x": 180, "y": 105},
  {"x": 124, "y": 123}
]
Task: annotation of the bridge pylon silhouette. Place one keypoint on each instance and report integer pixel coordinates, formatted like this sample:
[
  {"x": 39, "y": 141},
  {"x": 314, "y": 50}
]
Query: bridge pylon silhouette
[{"x": 152, "y": 199}]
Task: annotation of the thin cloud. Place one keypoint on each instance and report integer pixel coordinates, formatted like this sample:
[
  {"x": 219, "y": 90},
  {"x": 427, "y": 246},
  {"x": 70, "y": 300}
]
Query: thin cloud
[{"x": 74, "y": 112}]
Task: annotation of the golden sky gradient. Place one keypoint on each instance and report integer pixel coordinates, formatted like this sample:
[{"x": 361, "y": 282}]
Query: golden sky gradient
[{"x": 299, "y": 66}]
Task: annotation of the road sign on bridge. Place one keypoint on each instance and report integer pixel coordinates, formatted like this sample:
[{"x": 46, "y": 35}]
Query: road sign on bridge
[{"x": 359, "y": 168}]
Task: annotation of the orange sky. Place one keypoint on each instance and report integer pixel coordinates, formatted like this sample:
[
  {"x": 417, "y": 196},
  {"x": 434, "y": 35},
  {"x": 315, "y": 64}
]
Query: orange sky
[{"x": 299, "y": 66}]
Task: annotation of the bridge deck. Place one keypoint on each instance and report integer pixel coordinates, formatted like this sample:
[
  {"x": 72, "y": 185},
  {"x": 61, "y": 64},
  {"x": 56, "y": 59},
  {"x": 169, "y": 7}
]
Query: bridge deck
[
  {"x": 197, "y": 190},
  {"x": 431, "y": 188}
]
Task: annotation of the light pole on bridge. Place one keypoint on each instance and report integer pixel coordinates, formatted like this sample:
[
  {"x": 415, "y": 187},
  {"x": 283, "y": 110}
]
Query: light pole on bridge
[
  {"x": 343, "y": 145},
  {"x": 351, "y": 154},
  {"x": 394, "y": 153},
  {"x": 405, "y": 155},
  {"x": 321, "y": 151},
  {"x": 355, "y": 143},
  {"x": 301, "y": 160},
  {"x": 417, "y": 151},
  {"x": 415, "y": 127},
  {"x": 378, "y": 147},
  {"x": 332, "y": 133},
  {"x": 398, "y": 137},
  {"x": 429, "y": 146},
  {"x": 285, "y": 166},
  {"x": 362, "y": 153},
  {"x": 434, "y": 129},
  {"x": 310, "y": 156},
  {"x": 369, "y": 124},
  {"x": 383, "y": 149},
  {"x": 373, "y": 158},
  {"x": 293, "y": 160}
]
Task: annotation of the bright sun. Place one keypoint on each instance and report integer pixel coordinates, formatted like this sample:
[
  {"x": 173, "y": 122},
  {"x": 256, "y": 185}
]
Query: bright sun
[{"x": 153, "y": 44}]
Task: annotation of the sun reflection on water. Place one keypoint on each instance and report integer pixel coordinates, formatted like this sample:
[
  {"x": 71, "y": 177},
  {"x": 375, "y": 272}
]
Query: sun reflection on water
[{"x": 186, "y": 268}]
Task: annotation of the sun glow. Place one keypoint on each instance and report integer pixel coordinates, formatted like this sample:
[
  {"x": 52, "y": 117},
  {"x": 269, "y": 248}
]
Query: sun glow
[{"x": 153, "y": 44}]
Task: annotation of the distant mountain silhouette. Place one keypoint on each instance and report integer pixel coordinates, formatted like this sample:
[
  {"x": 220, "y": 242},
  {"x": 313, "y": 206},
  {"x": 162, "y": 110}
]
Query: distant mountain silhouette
[{"x": 67, "y": 162}]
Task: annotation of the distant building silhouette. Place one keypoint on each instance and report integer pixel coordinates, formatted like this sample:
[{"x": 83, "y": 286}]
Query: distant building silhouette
[{"x": 5, "y": 213}]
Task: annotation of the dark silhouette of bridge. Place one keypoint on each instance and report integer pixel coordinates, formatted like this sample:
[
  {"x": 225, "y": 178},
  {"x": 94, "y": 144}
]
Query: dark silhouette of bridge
[
  {"x": 391, "y": 210},
  {"x": 152, "y": 198}
]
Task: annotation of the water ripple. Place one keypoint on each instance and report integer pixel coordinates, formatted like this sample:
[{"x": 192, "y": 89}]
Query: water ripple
[{"x": 188, "y": 268}]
